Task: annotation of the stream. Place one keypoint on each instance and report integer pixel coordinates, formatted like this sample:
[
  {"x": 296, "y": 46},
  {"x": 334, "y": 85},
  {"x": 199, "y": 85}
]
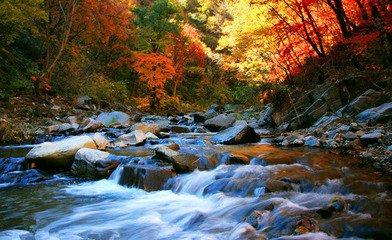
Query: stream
[{"x": 299, "y": 193}]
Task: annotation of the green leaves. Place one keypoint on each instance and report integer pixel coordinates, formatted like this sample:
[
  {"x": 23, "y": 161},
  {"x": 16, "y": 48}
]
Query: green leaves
[{"x": 154, "y": 23}]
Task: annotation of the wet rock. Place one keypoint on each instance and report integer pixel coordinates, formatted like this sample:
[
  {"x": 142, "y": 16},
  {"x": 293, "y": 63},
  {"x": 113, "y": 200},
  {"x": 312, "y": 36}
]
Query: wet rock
[
  {"x": 389, "y": 148},
  {"x": 306, "y": 225},
  {"x": 239, "y": 134},
  {"x": 58, "y": 155},
  {"x": 258, "y": 161},
  {"x": 230, "y": 159},
  {"x": 375, "y": 115},
  {"x": 337, "y": 204},
  {"x": 179, "y": 129},
  {"x": 277, "y": 186},
  {"x": 184, "y": 163},
  {"x": 12, "y": 164},
  {"x": 220, "y": 122},
  {"x": 165, "y": 153},
  {"x": 72, "y": 119},
  {"x": 67, "y": 127},
  {"x": 94, "y": 164},
  {"x": 22, "y": 177},
  {"x": 147, "y": 177},
  {"x": 148, "y": 127},
  {"x": 331, "y": 143},
  {"x": 134, "y": 138},
  {"x": 372, "y": 137},
  {"x": 255, "y": 218},
  {"x": 266, "y": 119},
  {"x": 53, "y": 128},
  {"x": 311, "y": 141},
  {"x": 110, "y": 119}
]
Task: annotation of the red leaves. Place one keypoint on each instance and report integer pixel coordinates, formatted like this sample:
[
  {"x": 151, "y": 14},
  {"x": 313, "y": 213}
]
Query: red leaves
[{"x": 154, "y": 69}]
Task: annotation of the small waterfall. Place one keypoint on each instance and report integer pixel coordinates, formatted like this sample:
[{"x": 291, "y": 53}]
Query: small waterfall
[{"x": 116, "y": 174}]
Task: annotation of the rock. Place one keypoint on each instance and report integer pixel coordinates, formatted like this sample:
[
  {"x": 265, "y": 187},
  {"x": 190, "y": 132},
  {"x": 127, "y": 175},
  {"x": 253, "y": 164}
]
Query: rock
[
  {"x": 66, "y": 127},
  {"x": 53, "y": 128},
  {"x": 337, "y": 204},
  {"x": 147, "y": 177},
  {"x": 213, "y": 111},
  {"x": 100, "y": 140},
  {"x": 331, "y": 143},
  {"x": 277, "y": 186},
  {"x": 72, "y": 120},
  {"x": 367, "y": 100},
  {"x": 110, "y": 119},
  {"x": 311, "y": 141},
  {"x": 165, "y": 153},
  {"x": 179, "y": 129},
  {"x": 256, "y": 218},
  {"x": 151, "y": 136},
  {"x": 372, "y": 137},
  {"x": 231, "y": 159},
  {"x": 374, "y": 115},
  {"x": 83, "y": 101},
  {"x": 258, "y": 161},
  {"x": 184, "y": 163},
  {"x": 324, "y": 121},
  {"x": 58, "y": 155},
  {"x": 389, "y": 148},
  {"x": 134, "y": 138},
  {"x": 306, "y": 225},
  {"x": 220, "y": 122},
  {"x": 22, "y": 177},
  {"x": 350, "y": 136},
  {"x": 92, "y": 125},
  {"x": 198, "y": 117},
  {"x": 239, "y": 134},
  {"x": 266, "y": 119},
  {"x": 147, "y": 127},
  {"x": 93, "y": 164}
]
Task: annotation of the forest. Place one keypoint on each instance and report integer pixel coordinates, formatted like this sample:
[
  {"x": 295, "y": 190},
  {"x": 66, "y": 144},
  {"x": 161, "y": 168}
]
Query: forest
[{"x": 188, "y": 53}]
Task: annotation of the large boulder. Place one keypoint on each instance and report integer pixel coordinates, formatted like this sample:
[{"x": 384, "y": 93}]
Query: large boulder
[
  {"x": 239, "y": 134},
  {"x": 134, "y": 138},
  {"x": 94, "y": 164},
  {"x": 147, "y": 177},
  {"x": 220, "y": 122},
  {"x": 377, "y": 114},
  {"x": 111, "y": 119},
  {"x": 60, "y": 154}
]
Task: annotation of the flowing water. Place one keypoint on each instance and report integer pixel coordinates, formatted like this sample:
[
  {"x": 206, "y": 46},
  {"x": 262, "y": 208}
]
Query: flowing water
[{"x": 268, "y": 200}]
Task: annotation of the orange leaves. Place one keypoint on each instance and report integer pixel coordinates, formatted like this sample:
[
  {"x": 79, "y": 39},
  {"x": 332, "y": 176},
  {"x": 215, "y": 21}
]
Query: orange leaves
[
  {"x": 99, "y": 21},
  {"x": 154, "y": 69}
]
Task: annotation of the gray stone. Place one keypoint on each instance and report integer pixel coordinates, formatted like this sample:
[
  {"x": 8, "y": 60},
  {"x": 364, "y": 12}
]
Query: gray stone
[
  {"x": 220, "y": 122},
  {"x": 377, "y": 114},
  {"x": 372, "y": 137},
  {"x": 239, "y": 134}
]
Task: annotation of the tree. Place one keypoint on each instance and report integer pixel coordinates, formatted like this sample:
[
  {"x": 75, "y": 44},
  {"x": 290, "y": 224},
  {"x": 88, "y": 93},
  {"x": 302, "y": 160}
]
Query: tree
[{"x": 155, "y": 70}]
